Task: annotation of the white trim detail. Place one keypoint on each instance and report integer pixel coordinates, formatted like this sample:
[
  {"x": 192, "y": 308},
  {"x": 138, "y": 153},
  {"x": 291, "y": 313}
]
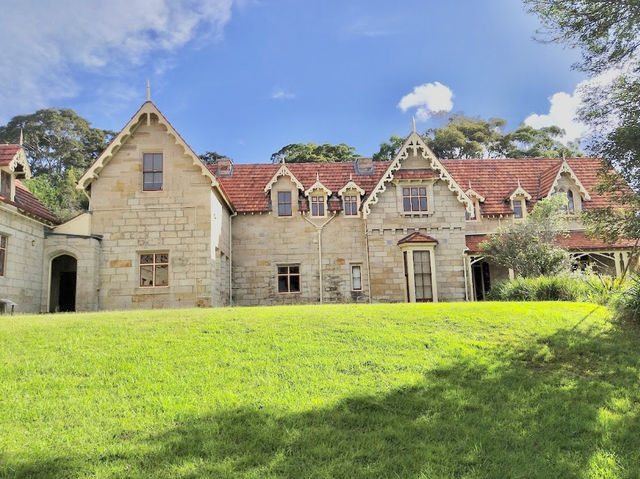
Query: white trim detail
[
  {"x": 352, "y": 185},
  {"x": 20, "y": 158},
  {"x": 520, "y": 192},
  {"x": 474, "y": 194},
  {"x": 416, "y": 143},
  {"x": 144, "y": 114},
  {"x": 283, "y": 171},
  {"x": 317, "y": 186},
  {"x": 565, "y": 168}
]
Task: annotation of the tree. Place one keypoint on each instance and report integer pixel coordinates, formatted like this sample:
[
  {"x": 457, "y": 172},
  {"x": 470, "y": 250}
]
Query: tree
[
  {"x": 313, "y": 153},
  {"x": 211, "y": 157},
  {"x": 608, "y": 36},
  {"x": 527, "y": 247},
  {"x": 388, "y": 149},
  {"x": 59, "y": 144},
  {"x": 468, "y": 137}
]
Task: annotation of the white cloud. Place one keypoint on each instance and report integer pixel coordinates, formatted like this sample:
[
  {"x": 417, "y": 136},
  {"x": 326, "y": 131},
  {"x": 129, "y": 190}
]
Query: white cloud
[
  {"x": 281, "y": 94},
  {"x": 429, "y": 98},
  {"x": 50, "y": 44},
  {"x": 563, "y": 107}
]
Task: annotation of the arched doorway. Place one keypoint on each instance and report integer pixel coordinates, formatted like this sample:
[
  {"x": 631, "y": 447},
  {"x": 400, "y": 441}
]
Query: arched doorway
[{"x": 62, "y": 293}]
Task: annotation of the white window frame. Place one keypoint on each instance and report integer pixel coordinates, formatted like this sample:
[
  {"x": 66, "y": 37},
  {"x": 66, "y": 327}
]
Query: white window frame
[{"x": 321, "y": 198}]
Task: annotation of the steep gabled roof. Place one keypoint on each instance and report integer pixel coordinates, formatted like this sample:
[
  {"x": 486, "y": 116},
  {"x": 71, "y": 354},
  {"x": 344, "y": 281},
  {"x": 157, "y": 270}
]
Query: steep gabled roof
[
  {"x": 246, "y": 188},
  {"x": 283, "y": 171},
  {"x": 144, "y": 114},
  {"x": 29, "y": 204},
  {"x": 495, "y": 179},
  {"x": 414, "y": 143}
]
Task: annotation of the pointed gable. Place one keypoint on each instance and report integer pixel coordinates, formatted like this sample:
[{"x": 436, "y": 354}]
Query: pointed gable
[
  {"x": 14, "y": 158},
  {"x": 566, "y": 169},
  {"x": 318, "y": 186},
  {"x": 283, "y": 171},
  {"x": 519, "y": 191},
  {"x": 147, "y": 112},
  {"x": 415, "y": 146},
  {"x": 417, "y": 238}
]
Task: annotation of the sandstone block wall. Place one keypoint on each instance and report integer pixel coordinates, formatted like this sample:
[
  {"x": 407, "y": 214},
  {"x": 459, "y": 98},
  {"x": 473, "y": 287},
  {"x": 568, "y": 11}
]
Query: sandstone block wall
[
  {"x": 86, "y": 251},
  {"x": 387, "y": 224},
  {"x": 22, "y": 282},
  {"x": 177, "y": 220},
  {"x": 262, "y": 242}
]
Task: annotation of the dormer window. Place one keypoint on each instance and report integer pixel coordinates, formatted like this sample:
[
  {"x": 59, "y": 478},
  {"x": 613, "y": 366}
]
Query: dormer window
[
  {"x": 152, "y": 171},
  {"x": 351, "y": 205},
  {"x": 284, "y": 203},
  {"x": 518, "y": 208},
  {"x": 570, "y": 202},
  {"x": 318, "y": 205},
  {"x": 5, "y": 185}
]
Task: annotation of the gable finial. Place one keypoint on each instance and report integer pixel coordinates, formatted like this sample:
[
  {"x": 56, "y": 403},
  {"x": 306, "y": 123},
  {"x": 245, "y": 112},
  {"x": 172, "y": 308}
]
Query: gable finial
[
  {"x": 470, "y": 185},
  {"x": 148, "y": 90},
  {"x": 318, "y": 176},
  {"x": 282, "y": 160},
  {"x": 413, "y": 124},
  {"x": 21, "y": 138},
  {"x": 350, "y": 176},
  {"x": 519, "y": 185}
]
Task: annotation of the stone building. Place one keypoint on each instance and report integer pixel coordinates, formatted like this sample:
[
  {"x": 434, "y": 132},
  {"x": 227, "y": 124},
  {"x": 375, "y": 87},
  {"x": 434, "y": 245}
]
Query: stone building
[{"x": 165, "y": 230}]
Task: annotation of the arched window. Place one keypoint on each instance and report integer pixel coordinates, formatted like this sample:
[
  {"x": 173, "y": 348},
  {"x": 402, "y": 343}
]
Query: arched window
[{"x": 570, "y": 204}]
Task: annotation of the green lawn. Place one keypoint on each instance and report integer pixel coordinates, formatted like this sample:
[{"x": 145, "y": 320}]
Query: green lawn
[{"x": 499, "y": 390}]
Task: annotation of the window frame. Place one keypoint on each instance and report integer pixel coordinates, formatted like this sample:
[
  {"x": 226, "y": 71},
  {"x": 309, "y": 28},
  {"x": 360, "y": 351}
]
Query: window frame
[
  {"x": 523, "y": 208},
  {"x": 355, "y": 204},
  {"x": 153, "y": 171},
  {"x": 352, "y": 266},
  {"x": 154, "y": 267},
  {"x": 4, "y": 246},
  {"x": 401, "y": 184},
  {"x": 279, "y": 203},
  {"x": 320, "y": 202},
  {"x": 288, "y": 275}
]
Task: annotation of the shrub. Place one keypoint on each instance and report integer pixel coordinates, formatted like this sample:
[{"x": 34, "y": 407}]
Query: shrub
[
  {"x": 627, "y": 305},
  {"x": 565, "y": 287}
]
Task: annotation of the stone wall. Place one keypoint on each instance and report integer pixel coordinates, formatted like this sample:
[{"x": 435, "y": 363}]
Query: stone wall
[
  {"x": 387, "y": 224},
  {"x": 22, "y": 282},
  {"x": 176, "y": 220},
  {"x": 86, "y": 251},
  {"x": 262, "y": 242}
]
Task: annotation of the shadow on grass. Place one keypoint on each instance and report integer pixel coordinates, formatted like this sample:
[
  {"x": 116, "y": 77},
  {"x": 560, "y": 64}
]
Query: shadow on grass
[{"x": 534, "y": 412}]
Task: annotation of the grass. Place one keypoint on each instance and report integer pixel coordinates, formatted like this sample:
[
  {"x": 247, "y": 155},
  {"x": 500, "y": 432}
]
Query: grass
[{"x": 486, "y": 390}]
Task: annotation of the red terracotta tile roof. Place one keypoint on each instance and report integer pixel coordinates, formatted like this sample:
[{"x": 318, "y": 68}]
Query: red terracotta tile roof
[
  {"x": 417, "y": 238},
  {"x": 574, "y": 241},
  {"x": 7, "y": 153},
  {"x": 496, "y": 179},
  {"x": 25, "y": 201},
  {"x": 245, "y": 188}
]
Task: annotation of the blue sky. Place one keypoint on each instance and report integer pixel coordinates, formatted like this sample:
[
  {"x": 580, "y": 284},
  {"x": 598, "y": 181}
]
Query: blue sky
[{"x": 245, "y": 78}]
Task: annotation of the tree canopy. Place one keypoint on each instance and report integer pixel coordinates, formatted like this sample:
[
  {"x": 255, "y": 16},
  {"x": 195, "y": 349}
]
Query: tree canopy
[
  {"x": 60, "y": 145},
  {"x": 608, "y": 36},
  {"x": 469, "y": 137},
  {"x": 313, "y": 153}
]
